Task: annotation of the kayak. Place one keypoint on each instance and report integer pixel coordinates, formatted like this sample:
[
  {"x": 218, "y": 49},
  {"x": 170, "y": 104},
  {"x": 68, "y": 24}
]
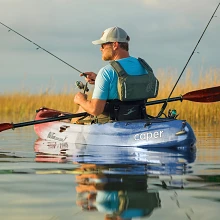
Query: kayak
[{"x": 144, "y": 133}]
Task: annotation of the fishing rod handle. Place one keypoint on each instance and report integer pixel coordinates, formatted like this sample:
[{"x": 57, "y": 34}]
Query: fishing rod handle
[{"x": 85, "y": 75}]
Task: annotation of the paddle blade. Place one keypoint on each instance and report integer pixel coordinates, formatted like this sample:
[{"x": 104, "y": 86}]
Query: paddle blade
[
  {"x": 6, "y": 126},
  {"x": 204, "y": 95}
]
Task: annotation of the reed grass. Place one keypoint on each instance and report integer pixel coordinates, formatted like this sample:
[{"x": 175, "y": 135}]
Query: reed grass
[
  {"x": 195, "y": 112},
  {"x": 21, "y": 106}
]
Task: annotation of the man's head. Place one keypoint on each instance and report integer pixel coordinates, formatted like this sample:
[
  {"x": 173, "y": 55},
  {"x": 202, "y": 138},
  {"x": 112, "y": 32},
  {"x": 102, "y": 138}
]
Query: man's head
[
  {"x": 114, "y": 43},
  {"x": 113, "y": 34}
]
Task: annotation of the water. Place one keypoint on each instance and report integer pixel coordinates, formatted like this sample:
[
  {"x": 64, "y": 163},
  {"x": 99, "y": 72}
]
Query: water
[{"x": 52, "y": 181}]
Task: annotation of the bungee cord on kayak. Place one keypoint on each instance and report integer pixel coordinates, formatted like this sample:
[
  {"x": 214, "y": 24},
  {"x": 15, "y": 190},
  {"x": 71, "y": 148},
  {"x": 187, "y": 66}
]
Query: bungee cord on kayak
[
  {"x": 38, "y": 46},
  {"x": 165, "y": 103}
]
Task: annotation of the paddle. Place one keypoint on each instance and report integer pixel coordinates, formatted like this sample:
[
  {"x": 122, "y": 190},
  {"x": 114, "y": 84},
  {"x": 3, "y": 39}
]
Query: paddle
[
  {"x": 6, "y": 126},
  {"x": 202, "y": 95}
]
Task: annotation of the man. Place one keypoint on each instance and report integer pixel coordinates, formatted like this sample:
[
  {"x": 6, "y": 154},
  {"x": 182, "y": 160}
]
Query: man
[{"x": 114, "y": 47}]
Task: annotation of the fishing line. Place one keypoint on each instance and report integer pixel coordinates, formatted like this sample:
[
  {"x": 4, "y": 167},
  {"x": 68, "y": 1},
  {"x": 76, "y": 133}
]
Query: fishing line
[
  {"x": 38, "y": 46},
  {"x": 165, "y": 103}
]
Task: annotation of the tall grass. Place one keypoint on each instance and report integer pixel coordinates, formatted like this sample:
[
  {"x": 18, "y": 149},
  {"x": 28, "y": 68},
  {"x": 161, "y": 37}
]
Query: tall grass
[
  {"x": 195, "y": 112},
  {"x": 22, "y": 106},
  {"x": 19, "y": 106}
]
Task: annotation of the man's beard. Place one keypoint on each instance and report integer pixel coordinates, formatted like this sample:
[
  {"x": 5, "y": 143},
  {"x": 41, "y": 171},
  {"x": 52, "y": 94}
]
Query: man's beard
[{"x": 108, "y": 56}]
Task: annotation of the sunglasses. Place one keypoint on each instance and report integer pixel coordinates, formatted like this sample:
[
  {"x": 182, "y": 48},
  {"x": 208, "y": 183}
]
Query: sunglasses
[{"x": 103, "y": 45}]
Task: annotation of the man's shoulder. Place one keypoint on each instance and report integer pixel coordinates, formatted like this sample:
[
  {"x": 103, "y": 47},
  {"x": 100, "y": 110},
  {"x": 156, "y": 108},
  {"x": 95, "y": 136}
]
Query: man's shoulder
[{"x": 106, "y": 69}]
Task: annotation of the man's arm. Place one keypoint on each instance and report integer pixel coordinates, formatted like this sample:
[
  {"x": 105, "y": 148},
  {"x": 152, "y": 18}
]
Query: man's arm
[{"x": 94, "y": 107}]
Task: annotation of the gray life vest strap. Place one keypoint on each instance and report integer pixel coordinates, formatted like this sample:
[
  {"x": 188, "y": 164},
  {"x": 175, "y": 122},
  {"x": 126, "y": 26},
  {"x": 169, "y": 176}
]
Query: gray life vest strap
[
  {"x": 118, "y": 68},
  {"x": 122, "y": 73},
  {"x": 145, "y": 65}
]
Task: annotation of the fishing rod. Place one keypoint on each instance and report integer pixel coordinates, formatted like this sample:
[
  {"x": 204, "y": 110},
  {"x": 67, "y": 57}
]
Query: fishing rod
[
  {"x": 38, "y": 46},
  {"x": 165, "y": 103}
]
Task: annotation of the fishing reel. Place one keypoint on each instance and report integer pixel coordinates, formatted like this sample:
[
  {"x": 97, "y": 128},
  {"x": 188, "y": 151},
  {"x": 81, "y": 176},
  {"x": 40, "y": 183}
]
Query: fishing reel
[{"x": 80, "y": 85}]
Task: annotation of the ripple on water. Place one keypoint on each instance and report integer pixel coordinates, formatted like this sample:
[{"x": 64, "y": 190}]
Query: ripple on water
[{"x": 53, "y": 181}]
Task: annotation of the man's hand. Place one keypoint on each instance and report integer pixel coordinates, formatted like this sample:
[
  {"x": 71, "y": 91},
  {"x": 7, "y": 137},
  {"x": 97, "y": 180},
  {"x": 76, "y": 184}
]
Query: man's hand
[
  {"x": 80, "y": 97},
  {"x": 90, "y": 77}
]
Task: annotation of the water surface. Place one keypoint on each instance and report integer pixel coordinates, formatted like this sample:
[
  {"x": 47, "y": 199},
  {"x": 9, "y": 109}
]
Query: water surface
[{"x": 51, "y": 181}]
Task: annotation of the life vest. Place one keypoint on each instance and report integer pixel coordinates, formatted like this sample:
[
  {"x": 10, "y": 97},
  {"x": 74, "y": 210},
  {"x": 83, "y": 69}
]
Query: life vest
[
  {"x": 133, "y": 88},
  {"x": 133, "y": 93}
]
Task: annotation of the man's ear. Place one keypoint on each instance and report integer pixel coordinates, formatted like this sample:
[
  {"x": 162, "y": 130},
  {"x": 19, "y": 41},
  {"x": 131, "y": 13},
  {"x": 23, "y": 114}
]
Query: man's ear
[{"x": 115, "y": 45}]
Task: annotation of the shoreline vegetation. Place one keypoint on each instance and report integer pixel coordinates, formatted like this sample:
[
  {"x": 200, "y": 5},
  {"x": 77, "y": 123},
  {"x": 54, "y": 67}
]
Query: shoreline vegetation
[{"x": 21, "y": 106}]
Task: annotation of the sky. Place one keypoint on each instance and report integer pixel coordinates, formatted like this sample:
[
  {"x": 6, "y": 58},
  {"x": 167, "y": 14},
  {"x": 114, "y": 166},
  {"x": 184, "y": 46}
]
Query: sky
[{"x": 163, "y": 32}]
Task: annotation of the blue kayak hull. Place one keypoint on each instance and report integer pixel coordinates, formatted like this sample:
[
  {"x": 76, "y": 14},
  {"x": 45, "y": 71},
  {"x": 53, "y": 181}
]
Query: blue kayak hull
[{"x": 156, "y": 133}]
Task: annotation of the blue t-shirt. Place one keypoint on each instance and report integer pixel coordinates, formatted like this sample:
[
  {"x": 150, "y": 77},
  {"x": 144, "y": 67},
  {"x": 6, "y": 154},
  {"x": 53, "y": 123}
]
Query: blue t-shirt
[{"x": 107, "y": 79}]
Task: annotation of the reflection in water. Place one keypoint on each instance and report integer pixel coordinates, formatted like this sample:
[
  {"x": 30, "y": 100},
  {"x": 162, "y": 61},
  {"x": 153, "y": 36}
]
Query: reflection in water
[
  {"x": 133, "y": 160},
  {"x": 118, "y": 196},
  {"x": 115, "y": 180}
]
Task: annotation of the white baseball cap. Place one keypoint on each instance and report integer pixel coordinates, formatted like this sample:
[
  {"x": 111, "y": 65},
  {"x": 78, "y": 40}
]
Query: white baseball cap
[{"x": 113, "y": 34}]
